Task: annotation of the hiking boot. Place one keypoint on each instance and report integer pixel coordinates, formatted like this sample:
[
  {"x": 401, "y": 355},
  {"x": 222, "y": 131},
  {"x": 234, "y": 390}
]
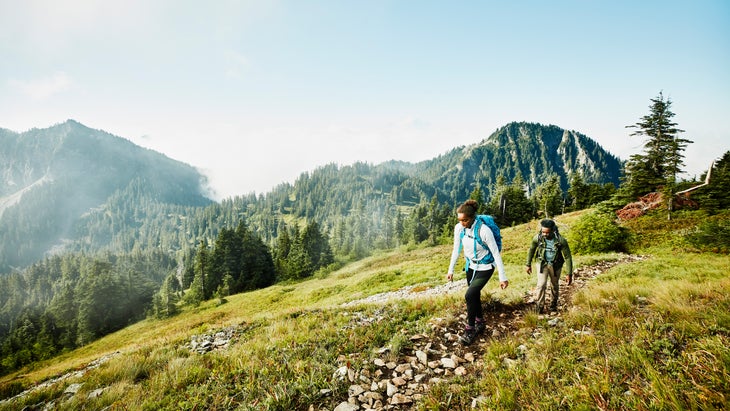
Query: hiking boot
[
  {"x": 480, "y": 326},
  {"x": 470, "y": 334}
]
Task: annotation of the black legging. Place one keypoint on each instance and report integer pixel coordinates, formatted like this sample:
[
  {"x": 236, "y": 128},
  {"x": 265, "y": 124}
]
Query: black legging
[{"x": 476, "y": 282}]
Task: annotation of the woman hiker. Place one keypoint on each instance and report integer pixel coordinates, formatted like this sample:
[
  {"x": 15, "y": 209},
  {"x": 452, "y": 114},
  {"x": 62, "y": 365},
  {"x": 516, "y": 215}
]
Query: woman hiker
[{"x": 479, "y": 265}]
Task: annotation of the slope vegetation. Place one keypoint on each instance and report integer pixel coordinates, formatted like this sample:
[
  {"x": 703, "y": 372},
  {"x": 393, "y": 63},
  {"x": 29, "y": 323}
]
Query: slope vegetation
[{"x": 633, "y": 333}]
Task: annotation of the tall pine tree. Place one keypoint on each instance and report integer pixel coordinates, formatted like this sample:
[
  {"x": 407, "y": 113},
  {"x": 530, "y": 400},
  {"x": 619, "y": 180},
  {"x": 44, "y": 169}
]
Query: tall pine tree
[{"x": 662, "y": 159}]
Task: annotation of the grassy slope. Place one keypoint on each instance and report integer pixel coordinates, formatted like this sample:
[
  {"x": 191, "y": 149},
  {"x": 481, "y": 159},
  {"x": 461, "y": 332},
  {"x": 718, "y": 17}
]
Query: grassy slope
[{"x": 654, "y": 335}]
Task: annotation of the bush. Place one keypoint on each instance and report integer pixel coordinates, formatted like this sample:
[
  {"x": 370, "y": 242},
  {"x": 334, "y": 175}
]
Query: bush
[
  {"x": 711, "y": 235},
  {"x": 596, "y": 233}
]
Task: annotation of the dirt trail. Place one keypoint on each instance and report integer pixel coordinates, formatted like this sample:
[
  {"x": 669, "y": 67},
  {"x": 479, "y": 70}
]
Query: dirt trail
[{"x": 501, "y": 318}]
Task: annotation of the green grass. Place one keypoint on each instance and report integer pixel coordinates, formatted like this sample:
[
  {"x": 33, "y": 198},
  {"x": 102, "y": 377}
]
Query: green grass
[{"x": 647, "y": 335}]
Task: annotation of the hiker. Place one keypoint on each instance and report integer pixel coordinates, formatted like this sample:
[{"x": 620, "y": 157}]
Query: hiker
[
  {"x": 480, "y": 264},
  {"x": 552, "y": 251}
]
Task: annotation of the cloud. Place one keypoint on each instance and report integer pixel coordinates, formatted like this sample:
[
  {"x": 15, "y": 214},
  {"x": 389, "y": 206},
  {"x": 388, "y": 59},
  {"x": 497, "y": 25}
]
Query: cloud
[{"x": 44, "y": 87}]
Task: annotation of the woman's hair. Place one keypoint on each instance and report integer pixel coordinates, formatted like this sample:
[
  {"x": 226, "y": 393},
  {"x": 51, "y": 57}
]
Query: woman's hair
[{"x": 469, "y": 208}]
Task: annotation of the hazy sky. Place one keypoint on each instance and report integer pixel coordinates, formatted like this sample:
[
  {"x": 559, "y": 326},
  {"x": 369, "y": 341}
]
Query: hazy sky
[{"x": 255, "y": 92}]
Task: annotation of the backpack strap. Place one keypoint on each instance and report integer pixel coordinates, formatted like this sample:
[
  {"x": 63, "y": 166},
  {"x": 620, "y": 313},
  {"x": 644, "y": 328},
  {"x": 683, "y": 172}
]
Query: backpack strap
[{"x": 489, "y": 258}]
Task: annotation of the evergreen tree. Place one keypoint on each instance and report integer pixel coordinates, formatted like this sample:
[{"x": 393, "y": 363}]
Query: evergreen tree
[
  {"x": 578, "y": 192},
  {"x": 549, "y": 197},
  {"x": 197, "y": 291},
  {"x": 716, "y": 195},
  {"x": 510, "y": 204},
  {"x": 657, "y": 167}
]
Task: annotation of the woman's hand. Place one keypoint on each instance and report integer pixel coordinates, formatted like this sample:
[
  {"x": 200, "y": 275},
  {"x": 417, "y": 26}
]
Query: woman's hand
[
  {"x": 450, "y": 276},
  {"x": 503, "y": 284}
]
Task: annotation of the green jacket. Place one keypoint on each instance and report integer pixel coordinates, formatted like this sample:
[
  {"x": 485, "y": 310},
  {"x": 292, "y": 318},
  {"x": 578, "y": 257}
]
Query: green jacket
[{"x": 537, "y": 250}]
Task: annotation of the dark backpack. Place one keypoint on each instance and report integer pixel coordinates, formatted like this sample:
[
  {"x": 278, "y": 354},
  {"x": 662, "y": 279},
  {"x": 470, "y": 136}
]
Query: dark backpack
[{"x": 489, "y": 221}]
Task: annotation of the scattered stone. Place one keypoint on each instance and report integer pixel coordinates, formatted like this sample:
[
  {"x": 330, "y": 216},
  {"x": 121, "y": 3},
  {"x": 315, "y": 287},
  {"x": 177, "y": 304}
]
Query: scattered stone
[
  {"x": 398, "y": 399},
  {"x": 355, "y": 390},
  {"x": 509, "y": 363},
  {"x": 399, "y": 381},
  {"x": 96, "y": 393},
  {"x": 391, "y": 389},
  {"x": 73, "y": 389},
  {"x": 346, "y": 406},
  {"x": 216, "y": 340},
  {"x": 448, "y": 363}
]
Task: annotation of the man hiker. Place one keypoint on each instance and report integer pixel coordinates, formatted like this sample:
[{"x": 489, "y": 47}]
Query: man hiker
[
  {"x": 551, "y": 250},
  {"x": 481, "y": 252}
]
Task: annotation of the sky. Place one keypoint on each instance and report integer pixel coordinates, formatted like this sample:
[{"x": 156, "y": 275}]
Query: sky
[{"x": 253, "y": 93}]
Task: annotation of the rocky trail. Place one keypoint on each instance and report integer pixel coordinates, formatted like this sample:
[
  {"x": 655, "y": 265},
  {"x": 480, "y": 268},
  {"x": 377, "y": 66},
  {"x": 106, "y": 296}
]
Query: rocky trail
[
  {"x": 438, "y": 356},
  {"x": 396, "y": 381}
]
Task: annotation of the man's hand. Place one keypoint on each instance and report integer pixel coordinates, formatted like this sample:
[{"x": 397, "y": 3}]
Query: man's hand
[
  {"x": 569, "y": 280},
  {"x": 528, "y": 268},
  {"x": 450, "y": 276},
  {"x": 503, "y": 284}
]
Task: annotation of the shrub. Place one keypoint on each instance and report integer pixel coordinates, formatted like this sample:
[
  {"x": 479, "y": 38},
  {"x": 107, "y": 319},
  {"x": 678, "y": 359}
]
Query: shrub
[
  {"x": 711, "y": 235},
  {"x": 596, "y": 233}
]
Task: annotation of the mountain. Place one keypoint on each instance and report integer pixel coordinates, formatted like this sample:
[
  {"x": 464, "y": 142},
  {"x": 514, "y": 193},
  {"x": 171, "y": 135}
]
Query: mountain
[
  {"x": 530, "y": 150},
  {"x": 69, "y": 187},
  {"x": 52, "y": 177}
]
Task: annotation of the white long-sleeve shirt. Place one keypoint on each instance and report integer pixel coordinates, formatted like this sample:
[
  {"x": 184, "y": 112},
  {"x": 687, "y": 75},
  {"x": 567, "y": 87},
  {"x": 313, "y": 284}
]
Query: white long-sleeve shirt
[{"x": 467, "y": 244}]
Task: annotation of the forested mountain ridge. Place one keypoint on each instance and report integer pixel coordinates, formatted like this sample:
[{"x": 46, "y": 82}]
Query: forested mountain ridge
[
  {"x": 108, "y": 194},
  {"x": 52, "y": 177},
  {"x": 529, "y": 150}
]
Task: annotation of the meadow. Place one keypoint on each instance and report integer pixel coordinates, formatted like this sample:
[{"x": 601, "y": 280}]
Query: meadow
[{"x": 652, "y": 334}]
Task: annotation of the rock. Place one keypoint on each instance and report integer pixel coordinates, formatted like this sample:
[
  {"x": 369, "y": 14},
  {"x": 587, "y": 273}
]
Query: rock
[
  {"x": 398, "y": 381},
  {"x": 341, "y": 373},
  {"x": 346, "y": 406},
  {"x": 391, "y": 389},
  {"x": 73, "y": 389},
  {"x": 96, "y": 393},
  {"x": 460, "y": 371},
  {"x": 509, "y": 363},
  {"x": 398, "y": 399},
  {"x": 355, "y": 390},
  {"x": 422, "y": 357},
  {"x": 448, "y": 363}
]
